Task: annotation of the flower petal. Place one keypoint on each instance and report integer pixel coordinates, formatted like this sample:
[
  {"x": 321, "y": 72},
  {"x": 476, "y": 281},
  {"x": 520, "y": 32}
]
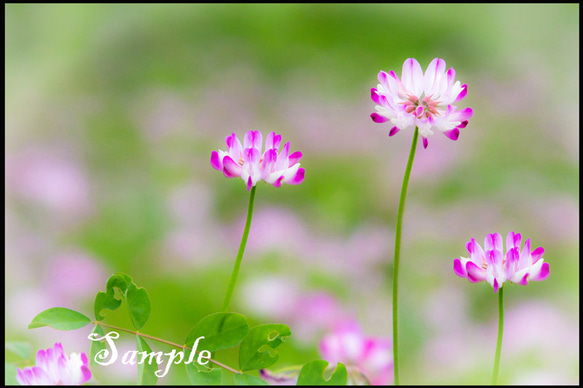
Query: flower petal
[
  {"x": 377, "y": 118},
  {"x": 453, "y": 134},
  {"x": 475, "y": 273},
  {"x": 412, "y": 76},
  {"x": 393, "y": 131},
  {"x": 459, "y": 269},
  {"x": 230, "y": 168},
  {"x": 216, "y": 162}
]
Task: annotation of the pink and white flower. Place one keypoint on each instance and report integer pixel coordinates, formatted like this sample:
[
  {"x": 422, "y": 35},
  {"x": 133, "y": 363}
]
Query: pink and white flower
[
  {"x": 495, "y": 267},
  {"x": 53, "y": 367},
  {"x": 249, "y": 163},
  {"x": 421, "y": 100},
  {"x": 362, "y": 355}
]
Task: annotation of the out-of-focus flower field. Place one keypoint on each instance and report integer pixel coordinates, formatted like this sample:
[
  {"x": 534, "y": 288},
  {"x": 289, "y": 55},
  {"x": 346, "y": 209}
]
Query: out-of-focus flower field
[{"x": 112, "y": 112}]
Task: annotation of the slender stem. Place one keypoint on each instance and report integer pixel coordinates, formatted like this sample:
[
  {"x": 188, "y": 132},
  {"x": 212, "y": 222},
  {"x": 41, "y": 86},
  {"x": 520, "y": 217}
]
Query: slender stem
[
  {"x": 500, "y": 333},
  {"x": 241, "y": 251},
  {"x": 397, "y": 256},
  {"x": 164, "y": 342}
]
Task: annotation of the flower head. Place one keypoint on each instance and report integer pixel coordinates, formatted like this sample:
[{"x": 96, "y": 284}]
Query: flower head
[
  {"x": 53, "y": 367},
  {"x": 250, "y": 164},
  {"x": 421, "y": 100},
  {"x": 363, "y": 356},
  {"x": 496, "y": 267}
]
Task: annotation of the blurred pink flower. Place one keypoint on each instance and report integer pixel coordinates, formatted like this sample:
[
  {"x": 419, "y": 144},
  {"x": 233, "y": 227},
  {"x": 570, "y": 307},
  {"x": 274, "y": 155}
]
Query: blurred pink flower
[
  {"x": 369, "y": 356},
  {"x": 54, "y": 181},
  {"x": 421, "y": 100},
  {"x": 54, "y": 367},
  {"x": 250, "y": 164},
  {"x": 73, "y": 276},
  {"x": 496, "y": 268},
  {"x": 307, "y": 313}
]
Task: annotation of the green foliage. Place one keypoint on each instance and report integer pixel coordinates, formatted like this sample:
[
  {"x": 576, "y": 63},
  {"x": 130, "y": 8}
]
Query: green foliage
[
  {"x": 199, "y": 375},
  {"x": 313, "y": 374},
  {"x": 96, "y": 346},
  {"x": 116, "y": 288},
  {"x": 220, "y": 331},
  {"x": 257, "y": 349},
  {"x": 245, "y": 379},
  {"x": 146, "y": 370},
  {"x": 119, "y": 286},
  {"x": 139, "y": 305},
  {"x": 60, "y": 318}
]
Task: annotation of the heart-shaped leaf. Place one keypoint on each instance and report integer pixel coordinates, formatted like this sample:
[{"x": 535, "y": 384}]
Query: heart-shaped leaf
[
  {"x": 220, "y": 331},
  {"x": 257, "y": 350},
  {"x": 313, "y": 374},
  {"x": 110, "y": 300},
  {"x": 139, "y": 305},
  {"x": 203, "y": 376}
]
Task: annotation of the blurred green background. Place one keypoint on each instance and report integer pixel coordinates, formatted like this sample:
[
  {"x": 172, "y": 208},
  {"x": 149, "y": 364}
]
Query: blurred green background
[{"x": 112, "y": 112}]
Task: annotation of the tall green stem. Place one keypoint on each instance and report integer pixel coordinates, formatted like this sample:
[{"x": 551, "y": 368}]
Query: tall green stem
[
  {"x": 398, "y": 254},
  {"x": 500, "y": 333},
  {"x": 241, "y": 251}
]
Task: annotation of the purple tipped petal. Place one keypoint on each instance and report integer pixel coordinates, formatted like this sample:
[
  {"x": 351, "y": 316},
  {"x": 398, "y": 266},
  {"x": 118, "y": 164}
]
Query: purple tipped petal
[
  {"x": 512, "y": 257},
  {"x": 393, "y": 131},
  {"x": 461, "y": 115},
  {"x": 377, "y": 118},
  {"x": 383, "y": 77},
  {"x": 475, "y": 273},
  {"x": 253, "y": 139},
  {"x": 495, "y": 285},
  {"x": 453, "y": 134},
  {"x": 459, "y": 269},
  {"x": 493, "y": 241},
  {"x": 294, "y": 158},
  {"x": 230, "y": 139},
  {"x": 230, "y": 168},
  {"x": 425, "y": 142},
  {"x": 216, "y": 162},
  {"x": 524, "y": 280},
  {"x": 463, "y": 125},
  {"x": 277, "y": 183},
  {"x": 471, "y": 246},
  {"x": 374, "y": 95},
  {"x": 249, "y": 184},
  {"x": 543, "y": 274},
  {"x": 298, "y": 178},
  {"x": 537, "y": 254},
  {"x": 462, "y": 94}
]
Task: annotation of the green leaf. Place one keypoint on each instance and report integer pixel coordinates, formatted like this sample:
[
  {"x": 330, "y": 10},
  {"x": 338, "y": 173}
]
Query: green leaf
[
  {"x": 220, "y": 331},
  {"x": 147, "y": 369},
  {"x": 138, "y": 304},
  {"x": 203, "y": 376},
  {"x": 20, "y": 349},
  {"x": 118, "y": 283},
  {"x": 60, "y": 318},
  {"x": 116, "y": 288},
  {"x": 245, "y": 379},
  {"x": 104, "y": 302},
  {"x": 313, "y": 374},
  {"x": 96, "y": 346},
  {"x": 257, "y": 349}
]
